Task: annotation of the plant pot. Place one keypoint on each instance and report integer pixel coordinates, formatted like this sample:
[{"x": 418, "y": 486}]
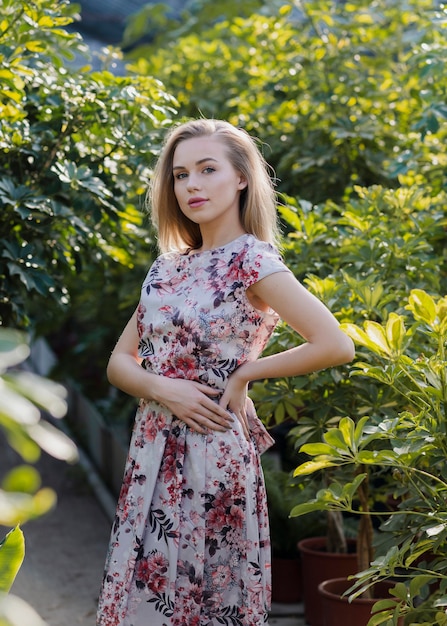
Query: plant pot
[
  {"x": 319, "y": 565},
  {"x": 337, "y": 609},
  {"x": 286, "y": 580}
]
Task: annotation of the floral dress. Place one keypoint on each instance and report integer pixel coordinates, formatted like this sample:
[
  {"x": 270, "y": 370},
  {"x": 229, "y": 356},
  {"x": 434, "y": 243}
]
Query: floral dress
[{"x": 190, "y": 541}]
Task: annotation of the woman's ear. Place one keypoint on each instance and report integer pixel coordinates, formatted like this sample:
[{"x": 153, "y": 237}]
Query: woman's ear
[{"x": 243, "y": 183}]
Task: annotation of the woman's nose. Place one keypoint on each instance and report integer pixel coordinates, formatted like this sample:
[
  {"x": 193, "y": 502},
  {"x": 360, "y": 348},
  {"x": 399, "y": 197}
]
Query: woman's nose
[{"x": 193, "y": 182}]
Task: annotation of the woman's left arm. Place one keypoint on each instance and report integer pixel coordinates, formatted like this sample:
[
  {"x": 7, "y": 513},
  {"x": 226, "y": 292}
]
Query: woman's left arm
[{"x": 325, "y": 344}]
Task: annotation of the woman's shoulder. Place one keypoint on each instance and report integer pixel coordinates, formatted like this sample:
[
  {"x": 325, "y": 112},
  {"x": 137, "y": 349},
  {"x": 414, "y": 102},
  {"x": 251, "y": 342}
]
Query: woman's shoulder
[{"x": 254, "y": 247}]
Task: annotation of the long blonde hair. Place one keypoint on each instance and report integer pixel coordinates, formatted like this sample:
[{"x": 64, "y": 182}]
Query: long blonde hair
[{"x": 257, "y": 206}]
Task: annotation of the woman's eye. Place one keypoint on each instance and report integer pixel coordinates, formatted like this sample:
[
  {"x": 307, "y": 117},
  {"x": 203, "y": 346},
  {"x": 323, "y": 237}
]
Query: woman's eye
[
  {"x": 209, "y": 169},
  {"x": 181, "y": 176}
]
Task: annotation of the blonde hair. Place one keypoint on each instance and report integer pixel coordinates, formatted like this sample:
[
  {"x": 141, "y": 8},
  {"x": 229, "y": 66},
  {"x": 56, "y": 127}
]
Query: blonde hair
[{"x": 257, "y": 207}]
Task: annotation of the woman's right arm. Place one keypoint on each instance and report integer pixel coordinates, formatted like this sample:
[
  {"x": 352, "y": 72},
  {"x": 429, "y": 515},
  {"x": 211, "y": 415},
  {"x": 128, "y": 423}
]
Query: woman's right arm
[{"x": 188, "y": 400}]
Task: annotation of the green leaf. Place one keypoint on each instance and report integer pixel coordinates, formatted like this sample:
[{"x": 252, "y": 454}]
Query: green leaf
[
  {"x": 12, "y": 553},
  {"x": 373, "y": 337},
  {"x": 17, "y": 508},
  {"x": 383, "y": 605},
  {"x": 377, "y": 337},
  {"x": 417, "y": 582},
  {"x": 309, "y": 467},
  {"x": 41, "y": 391},
  {"x": 23, "y": 478},
  {"x": 422, "y": 306},
  {"x": 308, "y": 507},
  {"x": 54, "y": 441},
  {"x": 347, "y": 429},
  {"x": 395, "y": 332},
  {"x": 315, "y": 449},
  {"x": 400, "y": 592},
  {"x": 335, "y": 438}
]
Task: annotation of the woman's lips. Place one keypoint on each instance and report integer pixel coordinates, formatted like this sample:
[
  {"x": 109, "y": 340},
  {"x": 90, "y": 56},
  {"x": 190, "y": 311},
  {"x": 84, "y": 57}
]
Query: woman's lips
[{"x": 196, "y": 202}]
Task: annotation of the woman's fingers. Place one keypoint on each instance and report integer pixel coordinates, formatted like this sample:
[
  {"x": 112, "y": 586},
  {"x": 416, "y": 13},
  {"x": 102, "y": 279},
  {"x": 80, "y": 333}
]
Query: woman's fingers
[
  {"x": 242, "y": 417},
  {"x": 193, "y": 403}
]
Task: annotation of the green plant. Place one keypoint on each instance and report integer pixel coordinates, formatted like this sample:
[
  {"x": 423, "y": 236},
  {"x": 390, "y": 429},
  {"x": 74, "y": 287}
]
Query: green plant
[
  {"x": 22, "y": 397},
  {"x": 361, "y": 258},
  {"x": 76, "y": 151},
  {"x": 365, "y": 256},
  {"x": 283, "y": 493},
  {"x": 408, "y": 354},
  {"x": 339, "y": 93}
]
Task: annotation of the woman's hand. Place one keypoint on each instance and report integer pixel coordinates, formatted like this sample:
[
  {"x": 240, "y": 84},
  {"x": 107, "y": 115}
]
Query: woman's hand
[
  {"x": 234, "y": 399},
  {"x": 193, "y": 403}
]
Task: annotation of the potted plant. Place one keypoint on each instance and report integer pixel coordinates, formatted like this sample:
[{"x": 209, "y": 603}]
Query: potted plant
[
  {"x": 336, "y": 498},
  {"x": 408, "y": 354},
  {"x": 359, "y": 255}
]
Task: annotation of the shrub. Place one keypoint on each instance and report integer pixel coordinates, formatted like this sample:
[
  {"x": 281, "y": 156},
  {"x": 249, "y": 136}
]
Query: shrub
[
  {"x": 76, "y": 150},
  {"x": 340, "y": 93}
]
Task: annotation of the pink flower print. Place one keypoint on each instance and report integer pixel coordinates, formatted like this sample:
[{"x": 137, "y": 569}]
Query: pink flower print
[
  {"x": 185, "y": 366},
  {"x": 195, "y": 518},
  {"x": 221, "y": 576},
  {"x": 236, "y": 517},
  {"x": 166, "y": 309},
  {"x": 142, "y": 571},
  {"x": 141, "y": 311},
  {"x": 233, "y": 538},
  {"x": 256, "y": 588},
  {"x": 220, "y": 328},
  {"x": 151, "y": 571},
  {"x": 169, "y": 470},
  {"x": 152, "y": 426},
  {"x": 223, "y": 499},
  {"x": 234, "y": 268},
  {"x": 195, "y": 593},
  {"x": 158, "y": 583},
  {"x": 217, "y": 519},
  {"x": 170, "y": 287}
]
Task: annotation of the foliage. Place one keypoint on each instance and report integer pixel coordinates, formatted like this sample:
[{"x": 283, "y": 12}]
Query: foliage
[
  {"x": 283, "y": 493},
  {"x": 339, "y": 93},
  {"x": 408, "y": 354},
  {"x": 22, "y": 397},
  {"x": 365, "y": 256},
  {"x": 12, "y": 553},
  {"x": 76, "y": 150}
]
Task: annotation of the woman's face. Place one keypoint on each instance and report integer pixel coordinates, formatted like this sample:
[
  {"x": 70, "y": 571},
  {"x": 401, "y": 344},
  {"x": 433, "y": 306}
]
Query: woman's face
[{"x": 206, "y": 185}]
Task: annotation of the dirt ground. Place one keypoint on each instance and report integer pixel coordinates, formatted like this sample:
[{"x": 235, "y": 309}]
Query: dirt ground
[{"x": 65, "y": 550}]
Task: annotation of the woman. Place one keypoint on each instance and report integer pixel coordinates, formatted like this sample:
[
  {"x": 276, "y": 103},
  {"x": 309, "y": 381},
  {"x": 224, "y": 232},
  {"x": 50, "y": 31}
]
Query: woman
[{"x": 190, "y": 543}]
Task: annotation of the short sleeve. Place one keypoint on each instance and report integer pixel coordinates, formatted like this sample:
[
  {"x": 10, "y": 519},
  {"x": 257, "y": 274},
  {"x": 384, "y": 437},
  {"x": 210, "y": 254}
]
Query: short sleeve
[{"x": 260, "y": 260}]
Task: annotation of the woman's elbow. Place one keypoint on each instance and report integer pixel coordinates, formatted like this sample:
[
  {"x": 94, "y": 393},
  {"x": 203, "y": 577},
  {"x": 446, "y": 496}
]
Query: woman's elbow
[
  {"x": 345, "y": 348},
  {"x": 109, "y": 372},
  {"x": 111, "y": 369}
]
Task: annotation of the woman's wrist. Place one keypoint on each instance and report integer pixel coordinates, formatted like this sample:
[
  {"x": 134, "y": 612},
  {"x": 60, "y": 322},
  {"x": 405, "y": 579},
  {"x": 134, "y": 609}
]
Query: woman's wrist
[{"x": 242, "y": 374}]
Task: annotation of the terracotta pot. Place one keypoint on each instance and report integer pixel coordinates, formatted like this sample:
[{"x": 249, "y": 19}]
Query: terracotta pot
[
  {"x": 319, "y": 565},
  {"x": 286, "y": 580},
  {"x": 339, "y": 610}
]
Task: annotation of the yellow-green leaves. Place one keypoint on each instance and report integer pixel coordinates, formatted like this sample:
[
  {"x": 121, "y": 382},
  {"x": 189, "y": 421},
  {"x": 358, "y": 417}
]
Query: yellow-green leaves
[
  {"x": 18, "y": 508},
  {"x": 386, "y": 340},
  {"x": 425, "y": 309},
  {"x": 12, "y": 553},
  {"x": 342, "y": 445}
]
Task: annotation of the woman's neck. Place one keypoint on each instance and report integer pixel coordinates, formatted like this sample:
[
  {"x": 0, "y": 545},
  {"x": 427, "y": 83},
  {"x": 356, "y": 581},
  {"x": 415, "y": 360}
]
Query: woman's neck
[{"x": 217, "y": 240}]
